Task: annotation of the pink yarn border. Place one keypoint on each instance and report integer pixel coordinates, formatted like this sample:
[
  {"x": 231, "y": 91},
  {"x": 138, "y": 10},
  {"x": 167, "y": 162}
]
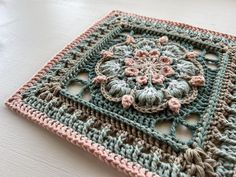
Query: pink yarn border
[{"x": 16, "y": 104}]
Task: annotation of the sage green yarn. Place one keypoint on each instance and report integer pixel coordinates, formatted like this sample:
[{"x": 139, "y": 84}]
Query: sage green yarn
[{"x": 90, "y": 116}]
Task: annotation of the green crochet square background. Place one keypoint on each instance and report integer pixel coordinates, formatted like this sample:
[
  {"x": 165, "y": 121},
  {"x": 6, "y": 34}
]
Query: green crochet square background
[
  {"x": 144, "y": 121},
  {"x": 127, "y": 132}
]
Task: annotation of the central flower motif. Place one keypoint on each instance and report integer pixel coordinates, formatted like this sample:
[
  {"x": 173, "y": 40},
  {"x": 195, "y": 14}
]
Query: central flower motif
[
  {"x": 148, "y": 65},
  {"x": 149, "y": 74}
]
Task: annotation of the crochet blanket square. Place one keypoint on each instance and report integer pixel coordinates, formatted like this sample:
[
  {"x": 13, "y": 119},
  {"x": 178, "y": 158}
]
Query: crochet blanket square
[{"x": 111, "y": 89}]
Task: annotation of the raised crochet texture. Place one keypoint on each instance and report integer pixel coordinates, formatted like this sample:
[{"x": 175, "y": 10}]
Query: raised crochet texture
[
  {"x": 141, "y": 72},
  {"x": 149, "y": 73}
]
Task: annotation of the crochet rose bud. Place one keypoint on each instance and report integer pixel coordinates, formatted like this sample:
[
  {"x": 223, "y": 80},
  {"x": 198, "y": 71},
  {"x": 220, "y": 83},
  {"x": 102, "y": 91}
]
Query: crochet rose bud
[
  {"x": 167, "y": 71},
  {"x": 142, "y": 80},
  {"x": 174, "y": 105},
  {"x": 163, "y": 40},
  {"x": 129, "y": 39},
  {"x": 197, "y": 81},
  {"x": 127, "y": 101},
  {"x": 129, "y": 61},
  {"x": 106, "y": 54},
  {"x": 166, "y": 60},
  {"x": 154, "y": 53},
  {"x": 191, "y": 55},
  {"x": 158, "y": 79},
  {"x": 141, "y": 53},
  {"x": 99, "y": 79},
  {"x": 131, "y": 71}
]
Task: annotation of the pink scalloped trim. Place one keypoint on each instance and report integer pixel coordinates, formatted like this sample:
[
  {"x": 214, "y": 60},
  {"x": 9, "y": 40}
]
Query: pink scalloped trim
[{"x": 16, "y": 104}]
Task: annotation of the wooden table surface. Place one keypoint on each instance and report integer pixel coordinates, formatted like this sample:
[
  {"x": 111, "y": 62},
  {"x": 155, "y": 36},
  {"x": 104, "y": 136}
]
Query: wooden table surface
[{"x": 32, "y": 32}]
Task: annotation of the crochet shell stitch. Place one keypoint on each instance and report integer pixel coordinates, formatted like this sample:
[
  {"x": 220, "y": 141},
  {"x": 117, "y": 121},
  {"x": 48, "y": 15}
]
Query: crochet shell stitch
[{"x": 134, "y": 73}]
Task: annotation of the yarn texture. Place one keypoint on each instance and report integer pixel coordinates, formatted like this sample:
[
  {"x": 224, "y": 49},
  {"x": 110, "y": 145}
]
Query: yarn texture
[{"x": 131, "y": 73}]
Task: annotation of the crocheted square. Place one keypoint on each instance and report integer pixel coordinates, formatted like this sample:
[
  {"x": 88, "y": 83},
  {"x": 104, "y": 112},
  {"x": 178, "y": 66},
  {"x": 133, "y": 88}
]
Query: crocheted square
[{"x": 111, "y": 89}]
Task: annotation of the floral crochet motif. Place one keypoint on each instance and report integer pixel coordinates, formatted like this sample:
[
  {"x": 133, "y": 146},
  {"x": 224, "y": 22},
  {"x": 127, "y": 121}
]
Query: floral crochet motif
[{"x": 149, "y": 74}]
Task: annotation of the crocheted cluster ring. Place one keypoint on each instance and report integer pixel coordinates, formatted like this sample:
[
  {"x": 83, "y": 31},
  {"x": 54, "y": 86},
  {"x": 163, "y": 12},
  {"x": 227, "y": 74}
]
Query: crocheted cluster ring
[
  {"x": 112, "y": 89},
  {"x": 150, "y": 74}
]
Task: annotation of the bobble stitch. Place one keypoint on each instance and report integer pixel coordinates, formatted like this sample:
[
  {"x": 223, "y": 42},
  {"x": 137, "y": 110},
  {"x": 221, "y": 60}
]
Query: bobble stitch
[
  {"x": 99, "y": 79},
  {"x": 167, "y": 71},
  {"x": 131, "y": 71},
  {"x": 174, "y": 105},
  {"x": 191, "y": 55},
  {"x": 129, "y": 61},
  {"x": 166, "y": 60},
  {"x": 142, "y": 80},
  {"x": 197, "y": 81},
  {"x": 106, "y": 54},
  {"x": 127, "y": 101},
  {"x": 163, "y": 40},
  {"x": 158, "y": 79}
]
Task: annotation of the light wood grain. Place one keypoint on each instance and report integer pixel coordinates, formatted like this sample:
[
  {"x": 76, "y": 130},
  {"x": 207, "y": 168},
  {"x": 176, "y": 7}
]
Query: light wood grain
[{"x": 31, "y": 32}]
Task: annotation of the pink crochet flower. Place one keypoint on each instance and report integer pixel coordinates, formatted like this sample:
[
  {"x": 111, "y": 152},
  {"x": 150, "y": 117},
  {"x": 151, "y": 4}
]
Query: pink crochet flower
[
  {"x": 167, "y": 71},
  {"x": 174, "y": 105},
  {"x": 131, "y": 71},
  {"x": 197, "y": 81},
  {"x": 142, "y": 80},
  {"x": 154, "y": 53},
  {"x": 129, "y": 61},
  {"x": 158, "y": 79},
  {"x": 141, "y": 53},
  {"x": 163, "y": 40},
  {"x": 106, "y": 54},
  {"x": 99, "y": 79},
  {"x": 191, "y": 55},
  {"x": 127, "y": 101},
  {"x": 166, "y": 60},
  {"x": 129, "y": 39}
]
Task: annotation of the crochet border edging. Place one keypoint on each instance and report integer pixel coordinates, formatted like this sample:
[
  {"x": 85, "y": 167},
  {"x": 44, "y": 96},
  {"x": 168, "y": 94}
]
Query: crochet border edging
[{"x": 116, "y": 161}]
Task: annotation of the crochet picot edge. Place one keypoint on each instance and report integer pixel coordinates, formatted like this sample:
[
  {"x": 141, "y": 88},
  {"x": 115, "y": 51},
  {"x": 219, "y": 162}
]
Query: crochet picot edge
[{"x": 16, "y": 104}]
